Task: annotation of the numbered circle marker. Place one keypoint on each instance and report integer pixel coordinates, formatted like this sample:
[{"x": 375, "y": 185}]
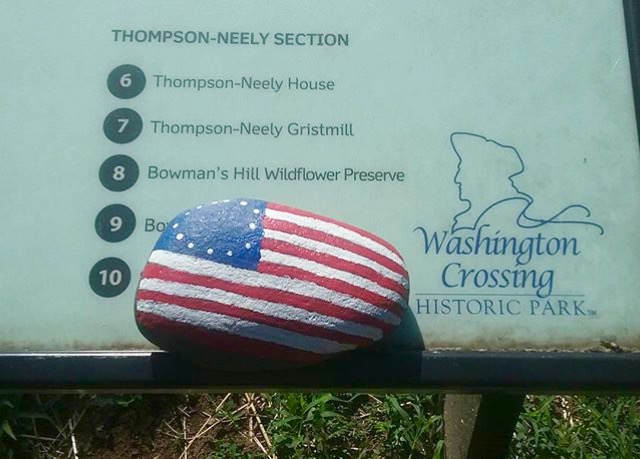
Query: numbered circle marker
[
  {"x": 109, "y": 277},
  {"x": 126, "y": 81},
  {"x": 119, "y": 173},
  {"x": 122, "y": 125},
  {"x": 115, "y": 223}
]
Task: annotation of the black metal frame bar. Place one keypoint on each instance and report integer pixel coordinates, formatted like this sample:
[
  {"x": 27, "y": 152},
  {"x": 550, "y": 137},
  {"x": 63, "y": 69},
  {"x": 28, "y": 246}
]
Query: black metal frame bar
[
  {"x": 443, "y": 371},
  {"x": 632, "y": 23},
  {"x": 414, "y": 371}
]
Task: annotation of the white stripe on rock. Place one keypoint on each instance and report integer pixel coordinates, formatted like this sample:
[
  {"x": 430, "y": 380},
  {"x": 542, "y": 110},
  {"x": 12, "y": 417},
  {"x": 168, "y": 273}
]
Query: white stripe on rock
[
  {"x": 331, "y": 273},
  {"x": 346, "y": 255},
  {"x": 244, "y": 328},
  {"x": 334, "y": 230},
  {"x": 281, "y": 311},
  {"x": 199, "y": 266}
]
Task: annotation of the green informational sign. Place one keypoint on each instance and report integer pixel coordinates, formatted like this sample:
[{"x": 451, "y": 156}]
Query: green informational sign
[{"x": 492, "y": 142}]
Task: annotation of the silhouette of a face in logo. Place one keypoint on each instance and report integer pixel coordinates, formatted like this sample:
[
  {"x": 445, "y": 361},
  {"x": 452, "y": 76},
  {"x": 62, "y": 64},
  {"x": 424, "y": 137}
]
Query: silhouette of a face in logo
[
  {"x": 485, "y": 180},
  {"x": 485, "y": 174}
]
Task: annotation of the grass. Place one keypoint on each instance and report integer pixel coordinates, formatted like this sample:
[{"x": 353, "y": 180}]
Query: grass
[
  {"x": 292, "y": 425},
  {"x": 578, "y": 428}
]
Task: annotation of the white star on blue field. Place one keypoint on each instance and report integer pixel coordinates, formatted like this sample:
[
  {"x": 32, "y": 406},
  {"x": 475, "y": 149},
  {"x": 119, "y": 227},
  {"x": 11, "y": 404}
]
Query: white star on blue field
[{"x": 228, "y": 232}]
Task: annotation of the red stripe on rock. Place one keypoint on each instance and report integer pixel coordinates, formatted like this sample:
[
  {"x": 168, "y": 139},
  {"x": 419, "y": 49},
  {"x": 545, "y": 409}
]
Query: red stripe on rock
[
  {"x": 355, "y": 229},
  {"x": 320, "y": 236},
  {"x": 334, "y": 284},
  {"x": 267, "y": 294},
  {"x": 253, "y": 316},
  {"x": 225, "y": 342},
  {"x": 333, "y": 262}
]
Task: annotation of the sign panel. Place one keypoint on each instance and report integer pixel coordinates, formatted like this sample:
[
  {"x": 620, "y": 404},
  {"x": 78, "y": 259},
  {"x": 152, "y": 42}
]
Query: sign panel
[{"x": 492, "y": 142}]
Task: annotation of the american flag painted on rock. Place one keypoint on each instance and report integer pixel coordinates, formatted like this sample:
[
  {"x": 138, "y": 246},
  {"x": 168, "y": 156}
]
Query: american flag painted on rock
[{"x": 270, "y": 281}]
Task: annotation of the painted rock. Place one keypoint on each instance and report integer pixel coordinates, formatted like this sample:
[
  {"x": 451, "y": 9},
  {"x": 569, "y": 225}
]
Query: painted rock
[{"x": 247, "y": 285}]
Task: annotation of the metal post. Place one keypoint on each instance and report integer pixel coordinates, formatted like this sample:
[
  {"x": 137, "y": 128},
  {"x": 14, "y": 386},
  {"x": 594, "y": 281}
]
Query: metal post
[{"x": 480, "y": 426}]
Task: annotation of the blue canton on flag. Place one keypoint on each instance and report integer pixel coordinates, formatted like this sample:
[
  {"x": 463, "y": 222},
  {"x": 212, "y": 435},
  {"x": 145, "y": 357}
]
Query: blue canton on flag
[{"x": 227, "y": 232}]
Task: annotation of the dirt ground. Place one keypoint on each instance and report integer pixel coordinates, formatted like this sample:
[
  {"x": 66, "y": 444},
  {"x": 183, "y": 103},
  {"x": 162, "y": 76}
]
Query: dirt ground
[{"x": 149, "y": 427}]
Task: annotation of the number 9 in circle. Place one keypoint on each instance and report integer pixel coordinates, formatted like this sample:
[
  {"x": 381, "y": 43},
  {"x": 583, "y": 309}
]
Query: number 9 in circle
[{"x": 115, "y": 223}]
